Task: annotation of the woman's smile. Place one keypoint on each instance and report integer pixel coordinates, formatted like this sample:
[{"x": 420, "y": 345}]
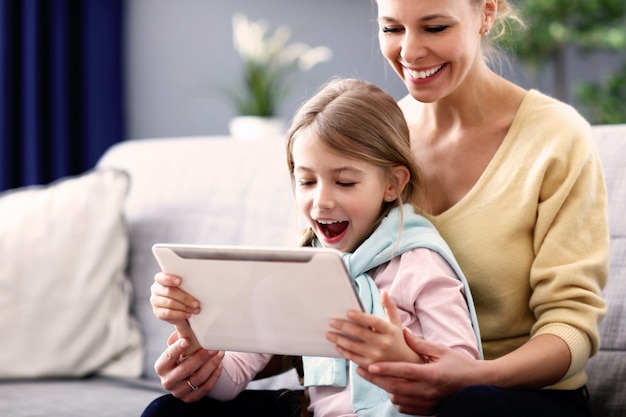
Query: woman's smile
[{"x": 423, "y": 74}]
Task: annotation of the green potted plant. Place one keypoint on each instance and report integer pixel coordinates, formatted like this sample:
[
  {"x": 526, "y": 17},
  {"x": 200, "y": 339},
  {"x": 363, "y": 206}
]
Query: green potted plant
[
  {"x": 268, "y": 60},
  {"x": 587, "y": 27}
]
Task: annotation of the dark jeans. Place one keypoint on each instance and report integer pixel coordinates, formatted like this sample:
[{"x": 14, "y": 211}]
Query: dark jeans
[
  {"x": 488, "y": 401},
  {"x": 283, "y": 403},
  {"x": 476, "y": 401}
]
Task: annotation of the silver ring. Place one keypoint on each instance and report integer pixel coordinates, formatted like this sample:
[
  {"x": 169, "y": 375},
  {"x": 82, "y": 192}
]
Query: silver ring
[{"x": 192, "y": 386}]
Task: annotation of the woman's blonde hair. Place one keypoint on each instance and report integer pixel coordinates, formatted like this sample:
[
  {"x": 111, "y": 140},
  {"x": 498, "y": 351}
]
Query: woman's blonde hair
[{"x": 358, "y": 120}]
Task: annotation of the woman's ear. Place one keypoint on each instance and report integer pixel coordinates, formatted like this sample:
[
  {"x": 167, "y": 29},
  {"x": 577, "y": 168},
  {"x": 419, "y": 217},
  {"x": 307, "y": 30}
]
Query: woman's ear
[
  {"x": 490, "y": 12},
  {"x": 400, "y": 176}
]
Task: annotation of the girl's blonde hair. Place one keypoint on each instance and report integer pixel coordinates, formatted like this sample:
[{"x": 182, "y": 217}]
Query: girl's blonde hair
[{"x": 358, "y": 120}]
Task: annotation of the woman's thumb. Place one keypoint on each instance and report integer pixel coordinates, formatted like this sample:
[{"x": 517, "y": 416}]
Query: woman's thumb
[{"x": 420, "y": 346}]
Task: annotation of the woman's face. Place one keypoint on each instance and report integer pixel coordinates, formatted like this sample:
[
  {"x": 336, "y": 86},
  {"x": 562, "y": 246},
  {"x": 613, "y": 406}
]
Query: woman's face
[{"x": 433, "y": 45}]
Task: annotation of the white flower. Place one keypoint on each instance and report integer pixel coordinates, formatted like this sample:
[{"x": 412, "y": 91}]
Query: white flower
[
  {"x": 314, "y": 56},
  {"x": 268, "y": 59}
]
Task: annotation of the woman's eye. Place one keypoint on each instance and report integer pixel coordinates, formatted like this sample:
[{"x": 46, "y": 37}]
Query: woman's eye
[
  {"x": 436, "y": 29},
  {"x": 391, "y": 29}
]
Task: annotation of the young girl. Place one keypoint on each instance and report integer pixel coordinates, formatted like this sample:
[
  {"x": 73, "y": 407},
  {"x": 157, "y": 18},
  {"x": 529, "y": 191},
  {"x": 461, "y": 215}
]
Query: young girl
[{"x": 353, "y": 175}]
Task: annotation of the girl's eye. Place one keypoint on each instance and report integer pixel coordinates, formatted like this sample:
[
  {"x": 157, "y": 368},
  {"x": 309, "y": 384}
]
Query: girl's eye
[
  {"x": 436, "y": 29},
  {"x": 346, "y": 184},
  {"x": 305, "y": 183}
]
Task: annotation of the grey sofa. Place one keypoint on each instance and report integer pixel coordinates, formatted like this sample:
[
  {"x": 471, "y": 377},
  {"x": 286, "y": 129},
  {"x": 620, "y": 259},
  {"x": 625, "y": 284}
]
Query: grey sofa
[{"x": 216, "y": 190}]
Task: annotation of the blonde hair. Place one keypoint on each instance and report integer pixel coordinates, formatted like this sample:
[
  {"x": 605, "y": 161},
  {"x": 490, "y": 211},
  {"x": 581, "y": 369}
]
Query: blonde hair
[{"x": 359, "y": 120}]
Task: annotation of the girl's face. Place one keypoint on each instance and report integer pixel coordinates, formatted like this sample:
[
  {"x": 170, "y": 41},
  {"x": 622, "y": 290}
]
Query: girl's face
[
  {"x": 432, "y": 44},
  {"x": 340, "y": 197}
]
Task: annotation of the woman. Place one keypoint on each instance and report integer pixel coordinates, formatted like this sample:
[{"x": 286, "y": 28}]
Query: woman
[{"x": 515, "y": 187}]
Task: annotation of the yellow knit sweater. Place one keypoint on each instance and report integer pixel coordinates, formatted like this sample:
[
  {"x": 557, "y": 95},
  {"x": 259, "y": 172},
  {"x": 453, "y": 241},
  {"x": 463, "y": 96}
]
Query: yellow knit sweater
[{"x": 532, "y": 236}]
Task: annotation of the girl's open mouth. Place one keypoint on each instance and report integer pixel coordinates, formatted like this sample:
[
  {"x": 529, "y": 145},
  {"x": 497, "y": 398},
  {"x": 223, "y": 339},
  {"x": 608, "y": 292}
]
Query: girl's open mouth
[{"x": 332, "y": 229}]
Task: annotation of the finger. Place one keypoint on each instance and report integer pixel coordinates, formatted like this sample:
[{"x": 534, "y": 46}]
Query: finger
[
  {"x": 356, "y": 341},
  {"x": 201, "y": 382},
  {"x": 167, "y": 280},
  {"x": 423, "y": 347},
  {"x": 168, "y": 360},
  {"x": 173, "y": 338},
  {"x": 173, "y": 298},
  {"x": 209, "y": 372},
  {"x": 177, "y": 368},
  {"x": 391, "y": 310},
  {"x": 357, "y": 358},
  {"x": 409, "y": 396},
  {"x": 408, "y": 401},
  {"x": 171, "y": 316},
  {"x": 363, "y": 353},
  {"x": 174, "y": 294},
  {"x": 403, "y": 370},
  {"x": 361, "y": 324},
  {"x": 370, "y": 330},
  {"x": 168, "y": 286},
  {"x": 392, "y": 384}
]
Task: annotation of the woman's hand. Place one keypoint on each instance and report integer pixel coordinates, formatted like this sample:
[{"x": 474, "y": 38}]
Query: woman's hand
[
  {"x": 169, "y": 302},
  {"x": 420, "y": 388},
  {"x": 417, "y": 389},
  {"x": 366, "y": 339},
  {"x": 180, "y": 374}
]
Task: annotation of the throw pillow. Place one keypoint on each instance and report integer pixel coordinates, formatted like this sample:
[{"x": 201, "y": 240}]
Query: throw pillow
[{"x": 64, "y": 295}]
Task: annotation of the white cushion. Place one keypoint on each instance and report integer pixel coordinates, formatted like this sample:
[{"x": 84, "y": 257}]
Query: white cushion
[{"x": 64, "y": 294}]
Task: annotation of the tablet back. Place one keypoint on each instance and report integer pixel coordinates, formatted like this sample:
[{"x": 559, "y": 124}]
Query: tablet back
[{"x": 265, "y": 300}]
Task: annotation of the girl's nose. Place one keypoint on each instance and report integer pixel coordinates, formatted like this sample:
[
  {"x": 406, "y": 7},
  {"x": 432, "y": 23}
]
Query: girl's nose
[{"x": 323, "y": 197}]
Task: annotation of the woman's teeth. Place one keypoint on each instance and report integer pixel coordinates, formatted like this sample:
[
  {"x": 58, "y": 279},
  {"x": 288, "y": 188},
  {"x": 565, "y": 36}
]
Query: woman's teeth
[{"x": 424, "y": 74}]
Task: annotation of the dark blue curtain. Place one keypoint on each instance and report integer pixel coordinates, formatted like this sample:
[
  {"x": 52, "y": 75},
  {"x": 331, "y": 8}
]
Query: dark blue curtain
[{"x": 61, "y": 87}]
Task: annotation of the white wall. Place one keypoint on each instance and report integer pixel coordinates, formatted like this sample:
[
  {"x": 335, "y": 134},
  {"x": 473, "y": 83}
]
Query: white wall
[{"x": 178, "y": 50}]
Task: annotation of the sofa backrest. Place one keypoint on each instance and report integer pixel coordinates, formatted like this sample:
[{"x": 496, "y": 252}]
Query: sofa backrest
[
  {"x": 607, "y": 369},
  {"x": 200, "y": 190}
]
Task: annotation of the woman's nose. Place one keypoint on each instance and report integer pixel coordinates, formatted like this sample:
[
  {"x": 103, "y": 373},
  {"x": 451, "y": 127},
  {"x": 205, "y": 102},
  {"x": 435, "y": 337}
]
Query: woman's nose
[{"x": 413, "y": 47}]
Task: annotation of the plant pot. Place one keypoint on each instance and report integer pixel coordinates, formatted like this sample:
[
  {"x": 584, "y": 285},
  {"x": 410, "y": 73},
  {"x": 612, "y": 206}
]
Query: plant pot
[{"x": 255, "y": 127}]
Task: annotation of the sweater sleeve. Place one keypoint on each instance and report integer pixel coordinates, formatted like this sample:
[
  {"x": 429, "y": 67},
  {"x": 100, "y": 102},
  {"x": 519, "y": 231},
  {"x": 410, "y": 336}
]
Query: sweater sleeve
[{"x": 571, "y": 245}]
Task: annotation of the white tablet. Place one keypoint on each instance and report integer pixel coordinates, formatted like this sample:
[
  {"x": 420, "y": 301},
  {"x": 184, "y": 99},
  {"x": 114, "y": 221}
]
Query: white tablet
[{"x": 262, "y": 299}]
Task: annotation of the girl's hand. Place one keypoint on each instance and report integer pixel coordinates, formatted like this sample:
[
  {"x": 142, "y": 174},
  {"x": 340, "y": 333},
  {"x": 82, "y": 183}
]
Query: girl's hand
[
  {"x": 180, "y": 373},
  {"x": 366, "y": 339},
  {"x": 418, "y": 389},
  {"x": 169, "y": 302}
]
